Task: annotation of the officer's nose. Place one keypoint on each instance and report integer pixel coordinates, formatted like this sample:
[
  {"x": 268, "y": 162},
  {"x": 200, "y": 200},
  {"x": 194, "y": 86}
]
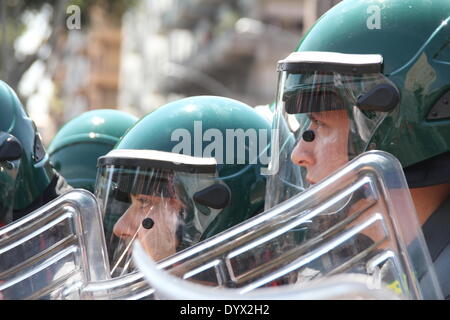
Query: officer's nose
[
  {"x": 303, "y": 155},
  {"x": 127, "y": 225}
]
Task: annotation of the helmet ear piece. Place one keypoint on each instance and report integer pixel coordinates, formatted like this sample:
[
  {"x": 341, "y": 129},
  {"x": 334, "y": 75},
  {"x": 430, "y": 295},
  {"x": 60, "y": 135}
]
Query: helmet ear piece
[
  {"x": 10, "y": 147},
  {"x": 216, "y": 196},
  {"x": 382, "y": 98}
]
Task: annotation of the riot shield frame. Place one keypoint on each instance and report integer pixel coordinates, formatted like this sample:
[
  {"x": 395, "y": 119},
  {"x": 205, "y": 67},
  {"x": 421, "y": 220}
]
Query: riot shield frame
[
  {"x": 338, "y": 287},
  {"x": 53, "y": 252},
  {"x": 377, "y": 171}
]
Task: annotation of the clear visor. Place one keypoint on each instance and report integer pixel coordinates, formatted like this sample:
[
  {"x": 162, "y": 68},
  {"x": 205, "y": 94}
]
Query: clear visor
[
  {"x": 319, "y": 127},
  {"x": 155, "y": 206},
  {"x": 358, "y": 221}
]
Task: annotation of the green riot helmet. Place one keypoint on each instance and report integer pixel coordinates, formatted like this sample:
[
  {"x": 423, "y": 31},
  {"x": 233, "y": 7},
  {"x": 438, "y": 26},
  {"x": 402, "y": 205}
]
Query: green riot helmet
[
  {"x": 368, "y": 75},
  {"x": 80, "y": 142},
  {"x": 35, "y": 181},
  {"x": 217, "y": 183}
]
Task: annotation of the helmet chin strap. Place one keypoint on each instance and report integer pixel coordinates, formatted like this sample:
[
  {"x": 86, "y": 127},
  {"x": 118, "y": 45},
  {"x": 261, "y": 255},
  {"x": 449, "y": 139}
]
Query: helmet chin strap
[
  {"x": 181, "y": 245},
  {"x": 123, "y": 256},
  {"x": 351, "y": 143}
]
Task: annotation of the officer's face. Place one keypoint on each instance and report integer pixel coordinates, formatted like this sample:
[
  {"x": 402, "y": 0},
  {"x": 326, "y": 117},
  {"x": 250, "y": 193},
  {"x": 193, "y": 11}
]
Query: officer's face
[
  {"x": 328, "y": 151},
  {"x": 160, "y": 240}
]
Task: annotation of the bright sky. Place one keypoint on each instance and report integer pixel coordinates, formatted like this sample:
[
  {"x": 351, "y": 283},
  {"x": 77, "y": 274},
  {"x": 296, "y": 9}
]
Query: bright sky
[{"x": 35, "y": 84}]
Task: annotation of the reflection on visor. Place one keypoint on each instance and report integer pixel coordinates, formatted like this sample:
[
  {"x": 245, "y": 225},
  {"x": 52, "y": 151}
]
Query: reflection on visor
[
  {"x": 152, "y": 199},
  {"x": 139, "y": 196},
  {"x": 320, "y": 125},
  {"x": 150, "y": 182},
  {"x": 317, "y": 92},
  {"x": 316, "y": 101}
]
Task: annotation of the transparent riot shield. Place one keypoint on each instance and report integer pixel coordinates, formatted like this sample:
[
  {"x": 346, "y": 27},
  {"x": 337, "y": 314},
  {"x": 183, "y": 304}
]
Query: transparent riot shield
[
  {"x": 131, "y": 286},
  {"x": 337, "y": 287},
  {"x": 359, "y": 221},
  {"x": 55, "y": 251}
]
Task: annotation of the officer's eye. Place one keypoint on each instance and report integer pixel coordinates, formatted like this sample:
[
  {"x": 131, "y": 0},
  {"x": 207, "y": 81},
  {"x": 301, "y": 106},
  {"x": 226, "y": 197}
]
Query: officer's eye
[
  {"x": 144, "y": 202},
  {"x": 317, "y": 122}
]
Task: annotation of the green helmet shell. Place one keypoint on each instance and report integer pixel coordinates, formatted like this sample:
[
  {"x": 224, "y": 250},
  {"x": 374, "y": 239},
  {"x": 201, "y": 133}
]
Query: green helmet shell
[
  {"x": 413, "y": 38},
  {"x": 194, "y": 117},
  {"x": 35, "y": 172},
  {"x": 80, "y": 142}
]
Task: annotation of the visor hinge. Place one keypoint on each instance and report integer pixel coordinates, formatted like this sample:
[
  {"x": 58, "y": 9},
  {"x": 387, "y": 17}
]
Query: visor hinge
[
  {"x": 216, "y": 196},
  {"x": 10, "y": 147},
  {"x": 382, "y": 98}
]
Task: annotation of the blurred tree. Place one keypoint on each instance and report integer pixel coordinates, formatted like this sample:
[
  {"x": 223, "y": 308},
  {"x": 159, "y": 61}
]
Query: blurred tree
[{"x": 13, "y": 24}]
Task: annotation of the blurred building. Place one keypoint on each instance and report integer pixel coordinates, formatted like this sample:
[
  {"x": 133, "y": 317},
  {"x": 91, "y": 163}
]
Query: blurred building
[
  {"x": 87, "y": 74},
  {"x": 162, "y": 50},
  {"x": 314, "y": 9},
  {"x": 168, "y": 49},
  {"x": 177, "y": 48}
]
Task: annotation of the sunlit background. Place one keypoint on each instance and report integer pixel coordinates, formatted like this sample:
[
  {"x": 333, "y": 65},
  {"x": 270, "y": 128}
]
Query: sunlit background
[{"x": 138, "y": 55}]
